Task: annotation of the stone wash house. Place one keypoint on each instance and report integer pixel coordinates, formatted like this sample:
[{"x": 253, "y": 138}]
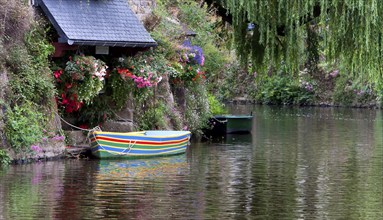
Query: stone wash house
[{"x": 102, "y": 28}]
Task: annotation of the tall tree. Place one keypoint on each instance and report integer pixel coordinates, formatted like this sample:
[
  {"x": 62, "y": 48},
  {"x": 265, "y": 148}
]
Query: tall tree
[{"x": 351, "y": 32}]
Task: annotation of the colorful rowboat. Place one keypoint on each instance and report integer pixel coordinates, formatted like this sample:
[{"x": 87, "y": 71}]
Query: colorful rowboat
[{"x": 138, "y": 144}]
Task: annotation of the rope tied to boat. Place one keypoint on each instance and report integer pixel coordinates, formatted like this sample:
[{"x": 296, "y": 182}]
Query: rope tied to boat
[
  {"x": 98, "y": 128},
  {"x": 222, "y": 122}
]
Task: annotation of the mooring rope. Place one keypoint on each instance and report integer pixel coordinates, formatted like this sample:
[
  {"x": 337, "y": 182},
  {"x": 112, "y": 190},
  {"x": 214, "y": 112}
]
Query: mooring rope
[
  {"x": 97, "y": 128},
  {"x": 219, "y": 120},
  {"x": 74, "y": 126}
]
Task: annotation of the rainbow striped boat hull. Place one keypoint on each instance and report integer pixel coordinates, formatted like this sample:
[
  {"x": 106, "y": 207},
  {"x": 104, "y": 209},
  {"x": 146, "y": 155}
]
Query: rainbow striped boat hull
[{"x": 138, "y": 144}]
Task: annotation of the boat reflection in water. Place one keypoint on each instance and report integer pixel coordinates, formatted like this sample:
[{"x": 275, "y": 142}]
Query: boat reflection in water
[
  {"x": 143, "y": 168},
  {"x": 139, "y": 188}
]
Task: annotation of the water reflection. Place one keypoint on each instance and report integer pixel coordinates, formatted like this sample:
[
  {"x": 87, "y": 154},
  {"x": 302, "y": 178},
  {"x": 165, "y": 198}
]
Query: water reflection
[
  {"x": 142, "y": 168},
  {"x": 298, "y": 163},
  {"x": 139, "y": 189}
]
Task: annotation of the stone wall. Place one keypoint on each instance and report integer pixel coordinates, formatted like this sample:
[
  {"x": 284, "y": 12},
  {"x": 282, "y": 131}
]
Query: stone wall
[
  {"x": 124, "y": 119},
  {"x": 142, "y": 8}
]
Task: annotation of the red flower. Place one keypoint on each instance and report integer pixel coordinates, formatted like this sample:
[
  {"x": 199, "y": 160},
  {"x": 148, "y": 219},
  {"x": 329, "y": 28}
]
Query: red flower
[
  {"x": 200, "y": 75},
  {"x": 124, "y": 72},
  {"x": 57, "y": 73},
  {"x": 78, "y": 105},
  {"x": 64, "y": 101}
]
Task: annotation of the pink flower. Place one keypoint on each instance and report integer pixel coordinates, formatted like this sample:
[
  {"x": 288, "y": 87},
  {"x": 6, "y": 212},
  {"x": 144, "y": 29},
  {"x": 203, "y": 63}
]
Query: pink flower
[
  {"x": 36, "y": 148},
  {"x": 58, "y": 138}
]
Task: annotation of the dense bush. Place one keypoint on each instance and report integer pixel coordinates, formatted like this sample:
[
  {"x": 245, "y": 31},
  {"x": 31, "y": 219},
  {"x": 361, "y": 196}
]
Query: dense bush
[
  {"x": 350, "y": 92},
  {"x": 24, "y": 127},
  {"x": 282, "y": 90}
]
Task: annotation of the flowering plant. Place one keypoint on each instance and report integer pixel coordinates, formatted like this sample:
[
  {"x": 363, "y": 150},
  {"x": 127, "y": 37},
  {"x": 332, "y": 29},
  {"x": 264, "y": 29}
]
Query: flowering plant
[
  {"x": 80, "y": 81},
  {"x": 135, "y": 75},
  {"x": 143, "y": 70},
  {"x": 189, "y": 64},
  {"x": 143, "y": 81}
]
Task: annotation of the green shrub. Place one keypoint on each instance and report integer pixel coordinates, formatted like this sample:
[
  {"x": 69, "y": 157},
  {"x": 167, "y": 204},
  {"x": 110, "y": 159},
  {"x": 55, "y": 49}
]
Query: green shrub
[
  {"x": 343, "y": 91},
  {"x": 30, "y": 77},
  {"x": 350, "y": 91},
  {"x": 281, "y": 89},
  {"x": 4, "y": 158},
  {"x": 197, "y": 112},
  {"x": 216, "y": 108},
  {"x": 233, "y": 82},
  {"x": 152, "y": 118},
  {"x": 24, "y": 127}
]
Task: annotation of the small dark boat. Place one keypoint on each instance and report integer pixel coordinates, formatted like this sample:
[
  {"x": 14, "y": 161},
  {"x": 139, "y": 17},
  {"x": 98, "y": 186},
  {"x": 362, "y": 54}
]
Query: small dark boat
[{"x": 230, "y": 124}]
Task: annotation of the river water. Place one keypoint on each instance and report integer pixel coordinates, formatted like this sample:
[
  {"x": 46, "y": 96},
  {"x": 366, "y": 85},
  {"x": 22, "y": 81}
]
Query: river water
[{"x": 298, "y": 163}]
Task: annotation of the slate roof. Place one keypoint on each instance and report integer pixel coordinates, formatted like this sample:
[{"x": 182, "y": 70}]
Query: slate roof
[{"x": 96, "y": 22}]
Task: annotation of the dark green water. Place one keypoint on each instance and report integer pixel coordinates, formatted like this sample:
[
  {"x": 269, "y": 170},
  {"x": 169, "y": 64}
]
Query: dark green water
[{"x": 299, "y": 163}]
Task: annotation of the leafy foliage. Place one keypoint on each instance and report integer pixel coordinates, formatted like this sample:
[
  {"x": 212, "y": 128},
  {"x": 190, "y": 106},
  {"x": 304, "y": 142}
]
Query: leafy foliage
[
  {"x": 197, "y": 112},
  {"x": 348, "y": 92},
  {"x": 216, "y": 108},
  {"x": 24, "y": 127},
  {"x": 29, "y": 101},
  {"x": 4, "y": 158},
  {"x": 152, "y": 118},
  {"x": 350, "y": 31},
  {"x": 235, "y": 81},
  {"x": 175, "y": 19},
  {"x": 119, "y": 89},
  {"x": 282, "y": 90}
]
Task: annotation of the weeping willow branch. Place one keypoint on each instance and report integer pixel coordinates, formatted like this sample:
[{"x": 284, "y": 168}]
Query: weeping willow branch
[{"x": 350, "y": 30}]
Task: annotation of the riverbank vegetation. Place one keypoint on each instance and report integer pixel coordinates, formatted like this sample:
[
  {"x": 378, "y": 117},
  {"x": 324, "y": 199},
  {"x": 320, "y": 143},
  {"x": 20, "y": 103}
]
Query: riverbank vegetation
[{"x": 27, "y": 89}]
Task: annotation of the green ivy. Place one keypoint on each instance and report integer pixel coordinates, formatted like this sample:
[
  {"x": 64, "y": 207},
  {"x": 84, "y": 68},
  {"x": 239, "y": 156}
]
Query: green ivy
[
  {"x": 24, "y": 127},
  {"x": 4, "y": 158}
]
